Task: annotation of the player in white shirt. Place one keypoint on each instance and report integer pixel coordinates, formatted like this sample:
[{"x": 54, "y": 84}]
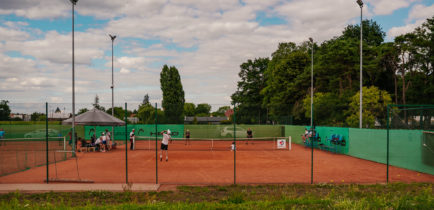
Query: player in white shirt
[
  {"x": 108, "y": 139},
  {"x": 165, "y": 144},
  {"x": 132, "y": 139}
]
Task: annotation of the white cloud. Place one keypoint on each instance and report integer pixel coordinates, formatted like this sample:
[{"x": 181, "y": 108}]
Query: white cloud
[
  {"x": 124, "y": 71},
  {"x": 419, "y": 12},
  {"x": 417, "y": 15},
  {"x": 222, "y": 34},
  {"x": 386, "y": 7}
]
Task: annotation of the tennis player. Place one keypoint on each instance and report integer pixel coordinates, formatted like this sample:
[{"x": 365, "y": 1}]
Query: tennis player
[
  {"x": 132, "y": 139},
  {"x": 187, "y": 137},
  {"x": 249, "y": 135},
  {"x": 165, "y": 144}
]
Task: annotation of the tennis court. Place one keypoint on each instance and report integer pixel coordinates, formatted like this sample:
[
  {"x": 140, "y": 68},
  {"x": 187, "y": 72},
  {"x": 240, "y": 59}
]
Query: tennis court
[{"x": 198, "y": 164}]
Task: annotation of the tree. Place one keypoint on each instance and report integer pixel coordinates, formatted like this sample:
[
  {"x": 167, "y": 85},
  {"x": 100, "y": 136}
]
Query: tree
[
  {"x": 145, "y": 99},
  {"x": 5, "y": 111},
  {"x": 203, "y": 110},
  {"x": 374, "y": 107},
  {"x": 36, "y": 116},
  {"x": 118, "y": 112},
  {"x": 81, "y": 111},
  {"x": 145, "y": 114},
  {"x": 287, "y": 80},
  {"x": 173, "y": 94},
  {"x": 329, "y": 108},
  {"x": 96, "y": 104},
  {"x": 372, "y": 32},
  {"x": 221, "y": 111},
  {"x": 247, "y": 97},
  {"x": 189, "y": 109}
]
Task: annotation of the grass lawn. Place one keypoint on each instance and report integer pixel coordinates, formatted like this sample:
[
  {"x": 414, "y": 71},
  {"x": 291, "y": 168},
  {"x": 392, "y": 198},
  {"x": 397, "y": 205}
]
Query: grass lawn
[{"x": 294, "y": 196}]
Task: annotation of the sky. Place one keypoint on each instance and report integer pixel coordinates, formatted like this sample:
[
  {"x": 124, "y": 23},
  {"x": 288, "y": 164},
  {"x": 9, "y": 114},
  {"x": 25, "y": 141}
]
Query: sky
[{"x": 206, "y": 40}]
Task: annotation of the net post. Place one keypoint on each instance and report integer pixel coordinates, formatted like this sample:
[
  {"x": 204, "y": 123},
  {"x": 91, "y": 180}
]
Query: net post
[
  {"x": 126, "y": 145},
  {"x": 289, "y": 142},
  {"x": 46, "y": 137}
]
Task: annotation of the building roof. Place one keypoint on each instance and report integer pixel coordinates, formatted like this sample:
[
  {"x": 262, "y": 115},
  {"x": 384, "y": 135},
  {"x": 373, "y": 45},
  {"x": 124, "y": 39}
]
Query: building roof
[{"x": 205, "y": 119}]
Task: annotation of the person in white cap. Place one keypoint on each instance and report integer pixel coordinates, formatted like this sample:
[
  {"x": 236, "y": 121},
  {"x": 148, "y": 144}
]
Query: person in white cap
[
  {"x": 132, "y": 139},
  {"x": 165, "y": 144}
]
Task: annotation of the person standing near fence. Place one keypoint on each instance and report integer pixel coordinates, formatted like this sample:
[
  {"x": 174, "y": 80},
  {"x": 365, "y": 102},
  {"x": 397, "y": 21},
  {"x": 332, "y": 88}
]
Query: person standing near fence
[
  {"x": 187, "y": 137},
  {"x": 108, "y": 139},
  {"x": 165, "y": 144},
  {"x": 2, "y": 135},
  {"x": 132, "y": 139},
  {"x": 249, "y": 135}
]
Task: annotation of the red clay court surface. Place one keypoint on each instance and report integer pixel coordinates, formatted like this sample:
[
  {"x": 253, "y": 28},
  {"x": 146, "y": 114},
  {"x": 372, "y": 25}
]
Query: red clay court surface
[{"x": 196, "y": 164}]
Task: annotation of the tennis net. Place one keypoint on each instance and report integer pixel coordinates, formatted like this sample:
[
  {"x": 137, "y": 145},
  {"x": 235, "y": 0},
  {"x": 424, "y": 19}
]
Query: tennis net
[{"x": 215, "y": 144}]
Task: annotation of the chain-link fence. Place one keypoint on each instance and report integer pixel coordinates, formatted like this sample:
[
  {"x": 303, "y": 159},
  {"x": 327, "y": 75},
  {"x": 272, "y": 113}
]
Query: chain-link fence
[{"x": 208, "y": 144}]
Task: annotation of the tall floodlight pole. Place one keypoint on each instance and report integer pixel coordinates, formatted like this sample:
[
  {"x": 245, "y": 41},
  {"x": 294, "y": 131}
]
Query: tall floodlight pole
[
  {"x": 311, "y": 87},
  {"x": 112, "y": 87},
  {"x": 74, "y": 2},
  {"x": 360, "y": 2}
]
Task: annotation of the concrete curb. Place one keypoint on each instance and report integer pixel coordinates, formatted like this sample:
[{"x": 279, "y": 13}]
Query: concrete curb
[{"x": 40, "y": 188}]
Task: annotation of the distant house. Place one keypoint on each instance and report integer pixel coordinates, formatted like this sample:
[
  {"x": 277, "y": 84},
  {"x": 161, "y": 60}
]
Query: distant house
[
  {"x": 133, "y": 119},
  {"x": 58, "y": 115},
  {"x": 24, "y": 117},
  {"x": 204, "y": 120}
]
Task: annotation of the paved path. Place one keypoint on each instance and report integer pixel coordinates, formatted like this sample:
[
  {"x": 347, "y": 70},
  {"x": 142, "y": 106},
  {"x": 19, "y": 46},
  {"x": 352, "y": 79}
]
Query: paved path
[{"x": 38, "y": 188}]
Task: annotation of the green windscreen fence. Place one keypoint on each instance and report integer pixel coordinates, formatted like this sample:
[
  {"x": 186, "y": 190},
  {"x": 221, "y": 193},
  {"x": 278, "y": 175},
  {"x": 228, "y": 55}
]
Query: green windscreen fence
[
  {"x": 406, "y": 148},
  {"x": 141, "y": 130},
  {"x": 368, "y": 144},
  {"x": 295, "y": 131},
  {"x": 227, "y": 131}
]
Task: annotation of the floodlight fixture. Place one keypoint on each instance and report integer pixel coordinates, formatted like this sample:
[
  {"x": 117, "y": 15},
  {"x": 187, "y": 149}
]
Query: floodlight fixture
[
  {"x": 74, "y": 2},
  {"x": 360, "y": 3}
]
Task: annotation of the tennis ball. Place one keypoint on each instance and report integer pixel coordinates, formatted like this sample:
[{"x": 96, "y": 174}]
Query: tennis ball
[
  {"x": 418, "y": 174},
  {"x": 331, "y": 180},
  {"x": 343, "y": 180},
  {"x": 399, "y": 174}
]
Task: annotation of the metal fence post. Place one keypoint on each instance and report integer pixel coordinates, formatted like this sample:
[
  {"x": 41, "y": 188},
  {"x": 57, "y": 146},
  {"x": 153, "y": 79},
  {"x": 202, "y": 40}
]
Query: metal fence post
[
  {"x": 126, "y": 145},
  {"x": 156, "y": 139},
  {"x": 387, "y": 153},
  {"x": 235, "y": 148},
  {"x": 46, "y": 136}
]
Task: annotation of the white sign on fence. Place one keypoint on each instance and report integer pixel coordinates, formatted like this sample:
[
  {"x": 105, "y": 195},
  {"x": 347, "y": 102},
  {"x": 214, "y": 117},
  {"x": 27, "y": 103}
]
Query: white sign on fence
[{"x": 281, "y": 143}]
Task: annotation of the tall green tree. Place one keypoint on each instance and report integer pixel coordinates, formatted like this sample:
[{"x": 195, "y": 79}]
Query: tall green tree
[
  {"x": 146, "y": 99},
  {"x": 189, "y": 109},
  {"x": 287, "y": 80},
  {"x": 203, "y": 110},
  {"x": 96, "y": 104},
  {"x": 5, "y": 111},
  {"x": 247, "y": 97},
  {"x": 173, "y": 94}
]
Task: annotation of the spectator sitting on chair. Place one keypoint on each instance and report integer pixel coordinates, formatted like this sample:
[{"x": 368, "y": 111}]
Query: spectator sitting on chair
[
  {"x": 97, "y": 144},
  {"x": 83, "y": 142}
]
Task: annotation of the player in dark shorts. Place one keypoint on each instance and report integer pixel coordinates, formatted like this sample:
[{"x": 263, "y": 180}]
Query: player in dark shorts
[
  {"x": 249, "y": 135},
  {"x": 165, "y": 144},
  {"x": 187, "y": 137}
]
